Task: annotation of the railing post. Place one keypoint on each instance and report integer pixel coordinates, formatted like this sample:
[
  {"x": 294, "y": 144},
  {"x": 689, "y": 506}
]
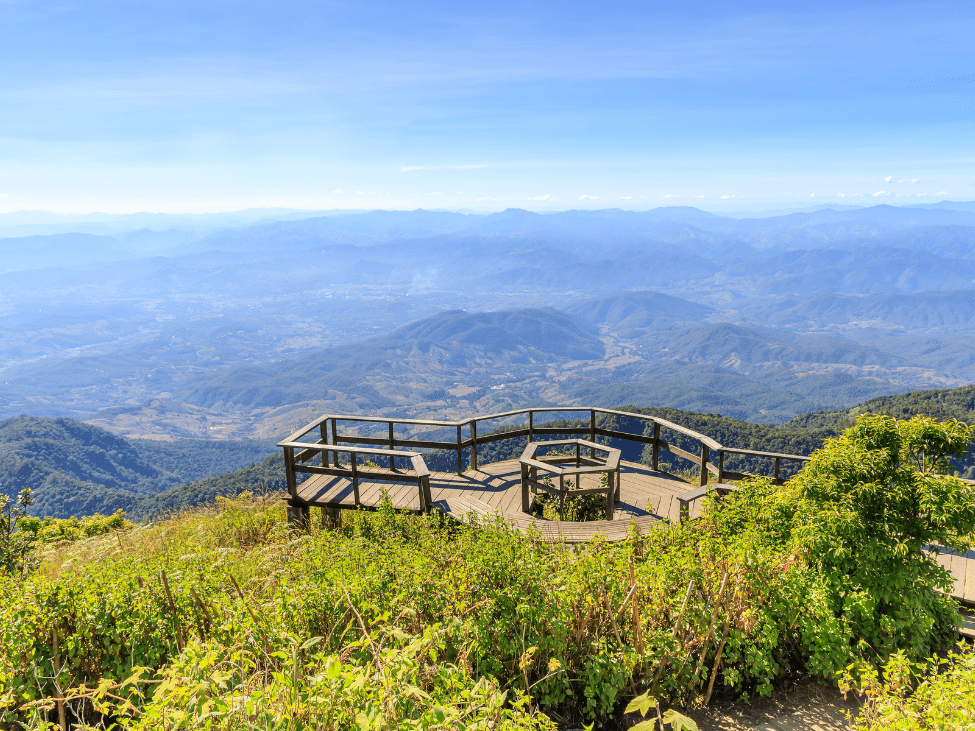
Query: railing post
[
  {"x": 460, "y": 463},
  {"x": 525, "y": 497},
  {"x": 323, "y": 430},
  {"x": 474, "y": 465},
  {"x": 777, "y": 461},
  {"x": 355, "y": 477},
  {"x": 721, "y": 466},
  {"x": 392, "y": 459},
  {"x": 531, "y": 425},
  {"x": 335, "y": 443},
  {"x": 704, "y": 464},
  {"x": 655, "y": 460},
  {"x": 289, "y": 471},
  {"x": 592, "y": 432}
]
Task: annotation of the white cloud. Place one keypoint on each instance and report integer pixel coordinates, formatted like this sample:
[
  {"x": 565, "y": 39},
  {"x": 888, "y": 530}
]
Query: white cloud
[
  {"x": 338, "y": 190},
  {"x": 437, "y": 193},
  {"x": 700, "y": 196},
  {"x": 812, "y": 195},
  {"x": 921, "y": 194},
  {"x": 841, "y": 195},
  {"x": 856, "y": 195},
  {"x": 487, "y": 199},
  {"x": 913, "y": 180},
  {"x": 727, "y": 196},
  {"x": 589, "y": 197},
  {"x": 887, "y": 179},
  {"x": 943, "y": 192},
  {"x": 540, "y": 197},
  {"x": 671, "y": 195},
  {"x": 880, "y": 192},
  {"x": 905, "y": 180},
  {"x": 626, "y": 197},
  {"x": 360, "y": 192},
  {"x": 411, "y": 168}
]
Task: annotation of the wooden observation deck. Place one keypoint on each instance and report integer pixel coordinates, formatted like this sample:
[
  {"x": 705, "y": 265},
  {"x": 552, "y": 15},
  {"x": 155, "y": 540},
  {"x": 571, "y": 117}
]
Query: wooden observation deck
[{"x": 355, "y": 462}]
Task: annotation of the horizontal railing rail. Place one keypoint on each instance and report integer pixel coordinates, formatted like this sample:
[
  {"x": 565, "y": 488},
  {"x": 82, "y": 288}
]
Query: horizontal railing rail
[{"x": 708, "y": 461}]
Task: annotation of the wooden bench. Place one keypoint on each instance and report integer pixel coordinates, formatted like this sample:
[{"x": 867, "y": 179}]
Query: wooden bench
[{"x": 531, "y": 464}]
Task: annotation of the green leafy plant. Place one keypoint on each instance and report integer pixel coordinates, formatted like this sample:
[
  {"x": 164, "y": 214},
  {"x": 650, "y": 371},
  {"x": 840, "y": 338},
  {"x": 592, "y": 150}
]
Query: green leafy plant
[
  {"x": 643, "y": 704},
  {"x": 15, "y": 545},
  {"x": 924, "y": 696},
  {"x": 871, "y": 507}
]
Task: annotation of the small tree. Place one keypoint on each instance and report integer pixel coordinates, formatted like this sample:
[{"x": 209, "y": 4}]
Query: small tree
[
  {"x": 15, "y": 546},
  {"x": 872, "y": 507}
]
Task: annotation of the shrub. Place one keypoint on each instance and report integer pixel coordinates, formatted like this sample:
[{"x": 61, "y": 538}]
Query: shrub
[
  {"x": 932, "y": 696},
  {"x": 870, "y": 508},
  {"x": 56, "y": 530}
]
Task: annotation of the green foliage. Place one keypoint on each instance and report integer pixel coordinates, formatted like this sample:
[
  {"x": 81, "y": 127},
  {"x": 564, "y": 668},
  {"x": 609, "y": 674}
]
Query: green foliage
[
  {"x": 55, "y": 530},
  {"x": 15, "y": 546},
  {"x": 528, "y": 617},
  {"x": 867, "y": 507},
  {"x": 930, "y": 696}
]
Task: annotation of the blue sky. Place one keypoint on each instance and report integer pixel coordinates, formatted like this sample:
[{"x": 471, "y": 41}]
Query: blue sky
[{"x": 206, "y": 106}]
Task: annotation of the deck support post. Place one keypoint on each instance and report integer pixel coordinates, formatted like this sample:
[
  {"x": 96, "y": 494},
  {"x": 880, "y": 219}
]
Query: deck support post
[
  {"x": 299, "y": 515},
  {"x": 331, "y": 517},
  {"x": 525, "y": 496},
  {"x": 611, "y": 495},
  {"x": 705, "y": 453}
]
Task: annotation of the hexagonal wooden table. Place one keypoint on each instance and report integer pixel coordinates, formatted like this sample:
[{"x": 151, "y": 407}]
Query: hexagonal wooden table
[{"x": 531, "y": 463}]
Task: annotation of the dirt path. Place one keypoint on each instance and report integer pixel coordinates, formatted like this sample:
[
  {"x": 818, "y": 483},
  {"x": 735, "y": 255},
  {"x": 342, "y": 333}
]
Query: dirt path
[{"x": 807, "y": 707}]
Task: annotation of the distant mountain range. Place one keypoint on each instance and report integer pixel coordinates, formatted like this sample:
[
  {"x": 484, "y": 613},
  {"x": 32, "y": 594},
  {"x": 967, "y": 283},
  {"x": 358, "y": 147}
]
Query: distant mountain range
[{"x": 245, "y": 324}]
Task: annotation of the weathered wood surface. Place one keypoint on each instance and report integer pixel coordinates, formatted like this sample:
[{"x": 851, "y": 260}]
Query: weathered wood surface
[
  {"x": 962, "y": 568},
  {"x": 645, "y": 494}
]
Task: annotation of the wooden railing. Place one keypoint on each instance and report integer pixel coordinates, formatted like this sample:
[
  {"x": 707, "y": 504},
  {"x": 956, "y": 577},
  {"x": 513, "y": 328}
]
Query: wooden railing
[
  {"x": 297, "y": 454},
  {"x": 708, "y": 460}
]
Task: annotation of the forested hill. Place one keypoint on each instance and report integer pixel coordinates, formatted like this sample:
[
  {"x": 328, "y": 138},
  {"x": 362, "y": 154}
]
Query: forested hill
[
  {"x": 77, "y": 469},
  {"x": 941, "y": 404}
]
